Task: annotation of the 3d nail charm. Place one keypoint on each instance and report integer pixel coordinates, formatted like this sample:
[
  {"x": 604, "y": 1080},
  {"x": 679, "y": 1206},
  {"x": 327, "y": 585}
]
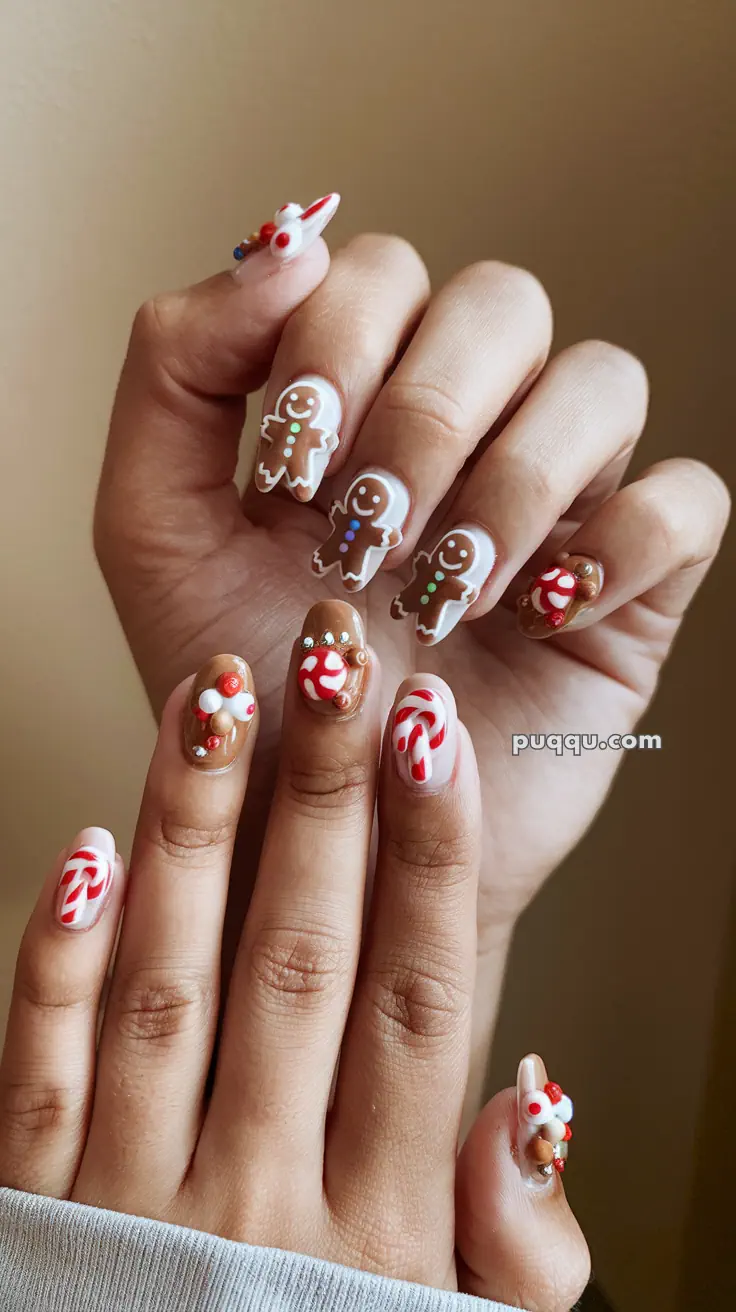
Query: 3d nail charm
[
  {"x": 221, "y": 706},
  {"x": 554, "y": 599},
  {"x": 83, "y": 887},
  {"x": 299, "y": 437},
  {"x": 544, "y": 1113},
  {"x": 292, "y": 230},
  {"x": 445, "y": 582},
  {"x": 365, "y": 526},
  {"x": 419, "y": 731},
  {"x": 334, "y": 664}
]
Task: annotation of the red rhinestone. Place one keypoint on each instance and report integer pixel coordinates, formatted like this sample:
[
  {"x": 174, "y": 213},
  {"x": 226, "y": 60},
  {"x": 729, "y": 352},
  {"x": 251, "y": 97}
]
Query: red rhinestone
[
  {"x": 535, "y": 1108},
  {"x": 200, "y": 714},
  {"x": 553, "y": 1091},
  {"x": 266, "y": 233},
  {"x": 568, "y": 1133},
  {"x": 212, "y": 743},
  {"x": 555, "y": 618},
  {"x": 283, "y": 239},
  {"x": 229, "y": 684},
  {"x": 559, "y": 1165}
]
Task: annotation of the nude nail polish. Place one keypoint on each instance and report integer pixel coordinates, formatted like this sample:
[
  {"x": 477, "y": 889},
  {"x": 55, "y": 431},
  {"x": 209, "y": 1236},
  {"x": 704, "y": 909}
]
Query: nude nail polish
[
  {"x": 424, "y": 735},
  {"x": 86, "y": 879},
  {"x": 544, "y": 1114},
  {"x": 298, "y": 439},
  {"x": 219, "y": 712},
  {"x": 557, "y": 596},
  {"x": 366, "y": 525},
  {"x": 291, "y": 231},
  {"x": 335, "y": 663},
  {"x": 445, "y": 582}
]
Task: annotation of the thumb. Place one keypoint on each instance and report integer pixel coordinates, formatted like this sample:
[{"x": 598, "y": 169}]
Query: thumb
[{"x": 517, "y": 1239}]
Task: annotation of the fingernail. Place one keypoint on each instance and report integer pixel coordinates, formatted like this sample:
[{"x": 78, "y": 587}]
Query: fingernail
[
  {"x": 366, "y": 525},
  {"x": 333, "y": 671},
  {"x": 544, "y": 1115},
  {"x": 424, "y": 735},
  {"x": 219, "y": 712},
  {"x": 445, "y": 582},
  {"x": 298, "y": 439},
  {"x": 291, "y": 231},
  {"x": 86, "y": 879},
  {"x": 557, "y": 596}
]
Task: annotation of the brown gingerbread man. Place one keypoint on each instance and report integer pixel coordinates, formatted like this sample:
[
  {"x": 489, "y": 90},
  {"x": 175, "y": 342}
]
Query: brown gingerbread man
[
  {"x": 439, "y": 577},
  {"x": 364, "y": 527},
  {"x": 334, "y": 662},
  {"x": 297, "y": 440}
]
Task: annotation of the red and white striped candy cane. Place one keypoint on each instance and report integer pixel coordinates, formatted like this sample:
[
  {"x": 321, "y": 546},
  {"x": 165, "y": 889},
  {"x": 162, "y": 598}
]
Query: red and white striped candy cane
[
  {"x": 420, "y": 724},
  {"x": 85, "y": 879}
]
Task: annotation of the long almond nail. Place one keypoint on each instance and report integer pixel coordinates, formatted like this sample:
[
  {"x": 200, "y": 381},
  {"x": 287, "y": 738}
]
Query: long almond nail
[
  {"x": 446, "y": 581},
  {"x": 298, "y": 439},
  {"x": 218, "y": 714},
  {"x": 86, "y": 879},
  {"x": 557, "y": 596},
  {"x": 544, "y": 1115},
  {"x": 366, "y": 525},
  {"x": 335, "y": 663},
  {"x": 424, "y": 734},
  {"x": 291, "y": 231}
]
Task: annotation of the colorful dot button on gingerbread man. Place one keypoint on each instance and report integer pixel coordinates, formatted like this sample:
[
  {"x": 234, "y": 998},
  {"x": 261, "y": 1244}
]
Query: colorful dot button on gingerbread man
[
  {"x": 445, "y": 582},
  {"x": 557, "y": 596},
  {"x": 334, "y": 660},
  {"x": 365, "y": 526},
  {"x": 221, "y": 707},
  {"x": 299, "y": 437}
]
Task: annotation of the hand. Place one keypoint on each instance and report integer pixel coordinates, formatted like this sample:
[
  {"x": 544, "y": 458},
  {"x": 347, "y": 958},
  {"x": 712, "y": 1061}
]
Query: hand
[
  {"x": 357, "y": 1163},
  {"x": 187, "y": 563}
]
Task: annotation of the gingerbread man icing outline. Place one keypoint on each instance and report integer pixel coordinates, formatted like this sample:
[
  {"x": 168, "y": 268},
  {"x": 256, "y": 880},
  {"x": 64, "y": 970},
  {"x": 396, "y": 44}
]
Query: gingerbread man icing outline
[
  {"x": 471, "y": 572},
  {"x": 358, "y": 515},
  {"x": 323, "y": 419}
]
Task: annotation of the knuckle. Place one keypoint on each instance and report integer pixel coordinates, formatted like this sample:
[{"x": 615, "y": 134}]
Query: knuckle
[
  {"x": 430, "y": 861},
  {"x": 444, "y": 419},
  {"x": 152, "y": 1008},
  {"x": 156, "y": 322},
  {"x": 296, "y": 965},
  {"x": 195, "y": 846},
  {"x": 509, "y": 283},
  {"x": 394, "y": 253},
  {"x": 417, "y": 1003},
  {"x": 28, "y": 1110},
  {"x": 46, "y": 993},
  {"x": 328, "y": 784},
  {"x": 612, "y": 370}
]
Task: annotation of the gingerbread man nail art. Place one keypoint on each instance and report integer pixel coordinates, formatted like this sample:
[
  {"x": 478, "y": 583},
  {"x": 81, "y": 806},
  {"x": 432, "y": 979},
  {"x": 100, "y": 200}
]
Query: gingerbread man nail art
[
  {"x": 217, "y": 719},
  {"x": 365, "y": 526},
  {"x": 558, "y": 595},
  {"x": 445, "y": 582},
  {"x": 299, "y": 437},
  {"x": 333, "y": 669}
]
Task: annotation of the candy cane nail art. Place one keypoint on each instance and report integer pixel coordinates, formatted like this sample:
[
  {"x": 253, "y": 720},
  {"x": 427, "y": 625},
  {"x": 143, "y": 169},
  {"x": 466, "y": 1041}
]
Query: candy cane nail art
[
  {"x": 334, "y": 665},
  {"x": 219, "y": 713},
  {"x": 299, "y": 437},
  {"x": 423, "y": 737},
  {"x": 365, "y": 526},
  {"x": 544, "y": 1114},
  {"x": 556, "y": 597},
  {"x": 445, "y": 582},
  {"x": 292, "y": 231},
  {"x": 86, "y": 879}
]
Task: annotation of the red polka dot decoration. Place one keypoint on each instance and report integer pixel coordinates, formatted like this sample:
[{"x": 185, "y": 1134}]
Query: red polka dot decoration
[{"x": 323, "y": 673}]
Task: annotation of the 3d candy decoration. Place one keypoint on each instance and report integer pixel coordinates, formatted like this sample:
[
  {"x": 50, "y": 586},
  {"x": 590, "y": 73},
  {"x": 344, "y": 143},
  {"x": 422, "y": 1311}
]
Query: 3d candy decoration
[
  {"x": 445, "y": 582},
  {"x": 554, "y": 599},
  {"x": 548, "y": 1113},
  {"x": 299, "y": 437},
  {"x": 222, "y": 705},
  {"x": 333, "y": 667},
  {"x": 85, "y": 879},
  {"x": 419, "y": 728},
  {"x": 365, "y": 526},
  {"x": 292, "y": 230}
]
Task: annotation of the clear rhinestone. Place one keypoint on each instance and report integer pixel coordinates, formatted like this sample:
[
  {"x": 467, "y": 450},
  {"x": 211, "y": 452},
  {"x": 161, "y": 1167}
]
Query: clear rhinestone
[
  {"x": 307, "y": 644},
  {"x": 344, "y": 636},
  {"x": 328, "y": 638}
]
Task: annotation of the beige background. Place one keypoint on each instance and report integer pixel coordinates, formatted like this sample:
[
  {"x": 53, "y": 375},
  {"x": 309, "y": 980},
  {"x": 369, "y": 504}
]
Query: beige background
[{"x": 587, "y": 140}]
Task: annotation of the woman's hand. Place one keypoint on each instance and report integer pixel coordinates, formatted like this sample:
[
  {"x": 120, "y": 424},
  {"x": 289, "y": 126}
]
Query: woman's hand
[
  {"x": 453, "y": 400},
  {"x": 279, "y": 1143}
]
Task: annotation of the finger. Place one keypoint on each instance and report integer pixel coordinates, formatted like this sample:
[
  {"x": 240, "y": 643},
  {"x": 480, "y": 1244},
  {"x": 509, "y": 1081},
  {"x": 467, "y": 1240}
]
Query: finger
[
  {"x": 404, "y": 1060},
  {"x": 486, "y": 332},
  {"x": 294, "y": 973},
  {"x": 332, "y": 360},
  {"x": 48, "y": 1064},
  {"x": 518, "y": 1241},
  {"x": 653, "y": 540},
  {"x": 162, "y": 1008},
  {"x": 572, "y": 436}
]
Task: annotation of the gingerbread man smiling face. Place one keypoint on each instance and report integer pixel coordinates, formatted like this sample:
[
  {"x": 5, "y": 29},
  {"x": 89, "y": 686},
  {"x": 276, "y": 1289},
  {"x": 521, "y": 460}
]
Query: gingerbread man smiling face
[
  {"x": 303, "y": 402},
  {"x": 370, "y": 499},
  {"x": 456, "y": 552}
]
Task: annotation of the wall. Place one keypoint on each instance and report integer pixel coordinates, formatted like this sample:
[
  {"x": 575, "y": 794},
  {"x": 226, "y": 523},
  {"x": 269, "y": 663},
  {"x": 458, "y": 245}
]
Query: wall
[{"x": 587, "y": 141}]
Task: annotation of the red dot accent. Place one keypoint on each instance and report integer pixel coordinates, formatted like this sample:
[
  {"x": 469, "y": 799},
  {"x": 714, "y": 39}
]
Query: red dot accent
[
  {"x": 283, "y": 240},
  {"x": 229, "y": 684},
  {"x": 555, "y": 618},
  {"x": 535, "y": 1108},
  {"x": 266, "y": 233},
  {"x": 559, "y": 1165},
  {"x": 200, "y": 714},
  {"x": 568, "y": 1133},
  {"x": 212, "y": 742},
  {"x": 553, "y": 1091}
]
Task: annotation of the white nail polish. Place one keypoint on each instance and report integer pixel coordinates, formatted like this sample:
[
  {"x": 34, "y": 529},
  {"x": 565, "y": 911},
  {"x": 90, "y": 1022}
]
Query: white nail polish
[
  {"x": 86, "y": 879},
  {"x": 298, "y": 439},
  {"x": 446, "y": 581},
  {"x": 366, "y": 525},
  {"x": 424, "y": 737},
  {"x": 290, "y": 233}
]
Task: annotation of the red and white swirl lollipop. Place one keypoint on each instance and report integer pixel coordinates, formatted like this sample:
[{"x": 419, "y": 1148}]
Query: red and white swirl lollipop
[
  {"x": 552, "y": 592},
  {"x": 323, "y": 673},
  {"x": 420, "y": 725}
]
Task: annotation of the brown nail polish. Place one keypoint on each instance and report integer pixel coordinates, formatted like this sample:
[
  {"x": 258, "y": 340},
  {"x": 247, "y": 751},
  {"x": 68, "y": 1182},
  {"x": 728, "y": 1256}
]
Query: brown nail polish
[
  {"x": 333, "y": 670},
  {"x": 218, "y": 714},
  {"x": 557, "y": 596}
]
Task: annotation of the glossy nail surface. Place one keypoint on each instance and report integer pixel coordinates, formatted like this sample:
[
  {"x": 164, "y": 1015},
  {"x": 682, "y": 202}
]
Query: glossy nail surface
[
  {"x": 555, "y": 598},
  {"x": 86, "y": 879},
  {"x": 218, "y": 713},
  {"x": 424, "y": 735},
  {"x": 366, "y": 525},
  {"x": 445, "y": 582},
  {"x": 292, "y": 229},
  {"x": 334, "y": 665},
  {"x": 299, "y": 437},
  {"x": 544, "y": 1115}
]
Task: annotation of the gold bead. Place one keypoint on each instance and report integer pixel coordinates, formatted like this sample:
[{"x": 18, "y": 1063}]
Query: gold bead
[{"x": 222, "y": 722}]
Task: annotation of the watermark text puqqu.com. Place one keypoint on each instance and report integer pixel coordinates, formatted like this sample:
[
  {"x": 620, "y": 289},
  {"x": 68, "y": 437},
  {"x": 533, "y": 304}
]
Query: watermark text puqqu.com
[{"x": 584, "y": 742}]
